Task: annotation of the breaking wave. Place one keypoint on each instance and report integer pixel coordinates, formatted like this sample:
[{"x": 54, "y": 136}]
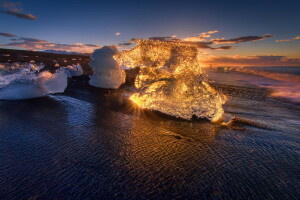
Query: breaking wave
[
  {"x": 284, "y": 82},
  {"x": 281, "y": 76}
]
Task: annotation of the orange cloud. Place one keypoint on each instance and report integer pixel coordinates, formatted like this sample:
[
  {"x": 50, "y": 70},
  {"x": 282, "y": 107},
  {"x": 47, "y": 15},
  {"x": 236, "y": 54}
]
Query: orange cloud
[
  {"x": 286, "y": 40},
  {"x": 200, "y": 37}
]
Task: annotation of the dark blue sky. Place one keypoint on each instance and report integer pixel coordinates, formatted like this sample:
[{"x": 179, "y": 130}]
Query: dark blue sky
[{"x": 96, "y": 22}]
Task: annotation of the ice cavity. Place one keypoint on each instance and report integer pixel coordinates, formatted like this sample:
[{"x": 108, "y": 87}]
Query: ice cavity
[
  {"x": 107, "y": 72},
  {"x": 21, "y": 84},
  {"x": 74, "y": 70}
]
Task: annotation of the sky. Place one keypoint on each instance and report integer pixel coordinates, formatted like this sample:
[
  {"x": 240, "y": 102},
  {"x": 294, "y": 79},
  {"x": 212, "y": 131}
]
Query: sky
[{"x": 256, "y": 32}]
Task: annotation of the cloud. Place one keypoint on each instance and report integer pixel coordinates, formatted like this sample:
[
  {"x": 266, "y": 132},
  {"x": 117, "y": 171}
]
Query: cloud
[
  {"x": 297, "y": 38},
  {"x": 198, "y": 44},
  {"x": 15, "y": 9},
  {"x": 38, "y": 45},
  {"x": 24, "y": 39},
  {"x": 201, "y": 42},
  {"x": 20, "y": 15},
  {"x": 286, "y": 40},
  {"x": 200, "y": 36},
  {"x": 224, "y": 47},
  {"x": 162, "y": 38},
  {"x": 117, "y": 33},
  {"x": 289, "y": 40},
  {"x": 194, "y": 39},
  {"x": 241, "y": 39},
  {"x": 251, "y": 60},
  {"x": 125, "y": 44},
  {"x": 7, "y": 35}
]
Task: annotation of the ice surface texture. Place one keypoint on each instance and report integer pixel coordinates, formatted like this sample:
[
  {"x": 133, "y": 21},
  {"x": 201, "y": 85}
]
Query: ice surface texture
[
  {"x": 74, "y": 70},
  {"x": 171, "y": 81},
  {"x": 107, "y": 72},
  {"x": 22, "y": 84}
]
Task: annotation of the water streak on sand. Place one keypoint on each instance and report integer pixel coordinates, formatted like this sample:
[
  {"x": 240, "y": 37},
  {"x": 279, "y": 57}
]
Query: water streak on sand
[{"x": 281, "y": 83}]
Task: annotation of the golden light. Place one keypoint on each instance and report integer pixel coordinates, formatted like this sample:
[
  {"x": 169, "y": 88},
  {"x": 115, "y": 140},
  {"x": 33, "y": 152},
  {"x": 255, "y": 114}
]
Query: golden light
[{"x": 171, "y": 80}]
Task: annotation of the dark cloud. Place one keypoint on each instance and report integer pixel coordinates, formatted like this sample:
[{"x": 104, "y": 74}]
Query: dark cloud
[
  {"x": 200, "y": 45},
  {"x": 15, "y": 9},
  {"x": 37, "y": 44},
  {"x": 207, "y": 45},
  {"x": 20, "y": 15},
  {"x": 91, "y": 45},
  {"x": 7, "y": 35},
  {"x": 125, "y": 44},
  {"x": 224, "y": 47},
  {"x": 132, "y": 41},
  {"x": 241, "y": 39},
  {"x": 164, "y": 38},
  {"x": 30, "y": 40}
]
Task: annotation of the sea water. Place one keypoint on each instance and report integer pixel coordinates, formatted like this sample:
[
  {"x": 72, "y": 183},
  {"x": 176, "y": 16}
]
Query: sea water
[{"x": 282, "y": 82}]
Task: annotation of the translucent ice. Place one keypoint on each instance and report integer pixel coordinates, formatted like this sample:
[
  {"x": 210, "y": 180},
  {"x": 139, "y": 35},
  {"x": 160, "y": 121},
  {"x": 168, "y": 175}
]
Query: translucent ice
[
  {"x": 107, "y": 72},
  {"x": 171, "y": 81}
]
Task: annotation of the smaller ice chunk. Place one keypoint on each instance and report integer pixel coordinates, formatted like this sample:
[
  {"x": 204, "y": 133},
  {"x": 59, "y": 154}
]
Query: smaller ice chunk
[
  {"x": 74, "y": 70},
  {"x": 107, "y": 72},
  {"x": 24, "y": 85}
]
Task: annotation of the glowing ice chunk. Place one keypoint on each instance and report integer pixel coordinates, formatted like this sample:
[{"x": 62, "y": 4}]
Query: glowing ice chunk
[{"x": 171, "y": 80}]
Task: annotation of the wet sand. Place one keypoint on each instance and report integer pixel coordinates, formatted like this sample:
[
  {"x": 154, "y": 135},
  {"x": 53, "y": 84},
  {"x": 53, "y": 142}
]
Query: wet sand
[{"x": 91, "y": 143}]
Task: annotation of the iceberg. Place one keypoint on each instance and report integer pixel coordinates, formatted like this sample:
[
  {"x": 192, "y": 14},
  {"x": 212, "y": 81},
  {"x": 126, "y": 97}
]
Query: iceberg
[
  {"x": 25, "y": 84},
  {"x": 171, "y": 81},
  {"x": 107, "y": 72}
]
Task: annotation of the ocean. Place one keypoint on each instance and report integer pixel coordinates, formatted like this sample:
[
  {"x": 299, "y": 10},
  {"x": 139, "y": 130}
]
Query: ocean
[{"x": 282, "y": 82}]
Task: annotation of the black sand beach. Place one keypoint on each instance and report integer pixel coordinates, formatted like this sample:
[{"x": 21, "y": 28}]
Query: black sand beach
[{"x": 91, "y": 143}]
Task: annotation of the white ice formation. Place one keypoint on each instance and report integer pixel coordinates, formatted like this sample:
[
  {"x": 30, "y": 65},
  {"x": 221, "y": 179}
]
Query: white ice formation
[
  {"x": 107, "y": 72},
  {"x": 26, "y": 83}
]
